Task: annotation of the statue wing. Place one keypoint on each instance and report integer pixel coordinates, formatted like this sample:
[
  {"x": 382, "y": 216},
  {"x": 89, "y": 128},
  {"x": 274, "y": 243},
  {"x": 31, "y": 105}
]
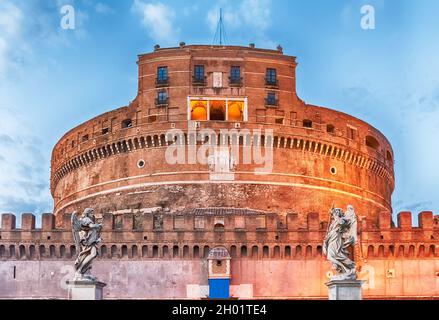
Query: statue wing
[{"x": 76, "y": 227}]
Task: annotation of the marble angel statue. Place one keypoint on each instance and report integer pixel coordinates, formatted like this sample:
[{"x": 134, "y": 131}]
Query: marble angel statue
[
  {"x": 86, "y": 234},
  {"x": 342, "y": 234}
]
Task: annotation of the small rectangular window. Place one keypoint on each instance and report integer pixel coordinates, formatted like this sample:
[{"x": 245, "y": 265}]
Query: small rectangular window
[
  {"x": 84, "y": 138},
  {"x": 162, "y": 97},
  {"x": 162, "y": 73},
  {"x": 235, "y": 75},
  {"x": 271, "y": 77},
  {"x": 199, "y": 73},
  {"x": 352, "y": 133},
  {"x": 280, "y": 121},
  {"x": 271, "y": 99}
]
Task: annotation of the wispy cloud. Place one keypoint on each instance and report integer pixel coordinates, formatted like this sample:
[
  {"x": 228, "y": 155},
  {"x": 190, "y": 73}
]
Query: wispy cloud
[
  {"x": 249, "y": 17},
  {"x": 158, "y": 19},
  {"x": 23, "y": 174}
]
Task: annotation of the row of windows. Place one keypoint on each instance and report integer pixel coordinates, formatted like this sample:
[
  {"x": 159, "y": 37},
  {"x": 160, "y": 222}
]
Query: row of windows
[
  {"x": 199, "y": 76},
  {"x": 165, "y": 251}
]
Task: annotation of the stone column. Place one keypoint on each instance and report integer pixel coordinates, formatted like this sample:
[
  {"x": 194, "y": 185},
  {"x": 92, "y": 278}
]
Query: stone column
[
  {"x": 85, "y": 290},
  {"x": 345, "y": 289}
]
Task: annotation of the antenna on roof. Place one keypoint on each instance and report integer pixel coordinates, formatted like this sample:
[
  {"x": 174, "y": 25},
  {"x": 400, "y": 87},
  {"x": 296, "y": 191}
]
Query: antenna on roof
[{"x": 220, "y": 33}]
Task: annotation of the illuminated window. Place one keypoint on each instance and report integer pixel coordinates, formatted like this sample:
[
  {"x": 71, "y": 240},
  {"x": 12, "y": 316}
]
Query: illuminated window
[
  {"x": 199, "y": 110},
  {"x": 217, "y": 110},
  {"x": 236, "y": 111}
]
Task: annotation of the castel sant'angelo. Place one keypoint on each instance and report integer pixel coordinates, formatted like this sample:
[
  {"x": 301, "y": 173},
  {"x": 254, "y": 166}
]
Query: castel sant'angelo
[{"x": 217, "y": 150}]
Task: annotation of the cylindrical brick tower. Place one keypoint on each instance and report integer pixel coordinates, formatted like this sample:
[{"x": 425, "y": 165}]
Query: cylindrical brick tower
[{"x": 119, "y": 160}]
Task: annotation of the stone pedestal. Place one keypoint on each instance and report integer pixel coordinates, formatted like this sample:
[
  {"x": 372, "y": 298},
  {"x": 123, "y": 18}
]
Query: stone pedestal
[
  {"x": 85, "y": 290},
  {"x": 345, "y": 289}
]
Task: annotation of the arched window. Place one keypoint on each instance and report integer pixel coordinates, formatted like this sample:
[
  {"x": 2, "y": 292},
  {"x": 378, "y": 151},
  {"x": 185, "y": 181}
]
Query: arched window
[
  {"x": 42, "y": 251},
  {"x": 114, "y": 251},
  {"x": 22, "y": 251},
  {"x": 412, "y": 251},
  {"x": 243, "y": 251},
  {"x": 401, "y": 251},
  {"x": 155, "y": 251},
  {"x": 103, "y": 251},
  {"x": 370, "y": 251},
  {"x": 206, "y": 251},
  {"x": 186, "y": 252},
  {"x": 124, "y": 251},
  {"x": 265, "y": 252},
  {"x": 308, "y": 251},
  {"x": 277, "y": 252},
  {"x": 319, "y": 251},
  {"x": 2, "y": 251},
  {"x": 298, "y": 251},
  {"x": 165, "y": 251},
  {"x": 175, "y": 251},
  {"x": 31, "y": 251},
  {"x": 421, "y": 251},
  {"x": 72, "y": 251},
  {"x": 255, "y": 252},
  {"x": 372, "y": 142},
  {"x": 144, "y": 251},
  {"x": 127, "y": 123},
  {"x": 11, "y": 251},
  {"x": 52, "y": 253},
  {"x": 389, "y": 156},
  {"x": 134, "y": 252},
  {"x": 287, "y": 252},
  {"x": 381, "y": 251},
  {"x": 233, "y": 251},
  {"x": 62, "y": 251}
]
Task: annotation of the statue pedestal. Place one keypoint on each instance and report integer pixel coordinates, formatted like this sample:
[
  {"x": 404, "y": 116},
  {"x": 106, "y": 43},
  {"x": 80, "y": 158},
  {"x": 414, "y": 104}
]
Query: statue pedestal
[
  {"x": 345, "y": 289},
  {"x": 85, "y": 290}
]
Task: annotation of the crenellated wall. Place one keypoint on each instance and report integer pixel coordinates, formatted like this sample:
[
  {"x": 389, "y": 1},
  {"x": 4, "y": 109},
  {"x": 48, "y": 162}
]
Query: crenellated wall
[{"x": 396, "y": 261}]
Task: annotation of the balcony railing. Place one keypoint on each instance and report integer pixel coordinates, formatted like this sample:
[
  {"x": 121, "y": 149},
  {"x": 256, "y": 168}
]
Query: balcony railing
[
  {"x": 199, "y": 81},
  {"x": 271, "y": 102},
  {"x": 159, "y": 83},
  {"x": 235, "y": 82},
  {"x": 161, "y": 102},
  {"x": 272, "y": 83}
]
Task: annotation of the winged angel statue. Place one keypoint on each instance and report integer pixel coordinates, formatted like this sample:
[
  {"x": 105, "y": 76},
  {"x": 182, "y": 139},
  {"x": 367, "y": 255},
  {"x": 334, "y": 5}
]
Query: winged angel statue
[
  {"x": 342, "y": 233},
  {"x": 86, "y": 234}
]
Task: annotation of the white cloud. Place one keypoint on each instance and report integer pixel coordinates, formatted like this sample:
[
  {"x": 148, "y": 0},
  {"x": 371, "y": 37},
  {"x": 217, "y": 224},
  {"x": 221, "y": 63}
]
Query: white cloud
[
  {"x": 23, "y": 173},
  {"x": 11, "y": 18},
  {"x": 242, "y": 18},
  {"x": 158, "y": 19}
]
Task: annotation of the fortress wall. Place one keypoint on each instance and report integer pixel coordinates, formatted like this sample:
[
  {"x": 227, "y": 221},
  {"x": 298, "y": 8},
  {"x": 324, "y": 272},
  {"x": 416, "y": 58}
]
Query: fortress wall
[{"x": 270, "y": 279}]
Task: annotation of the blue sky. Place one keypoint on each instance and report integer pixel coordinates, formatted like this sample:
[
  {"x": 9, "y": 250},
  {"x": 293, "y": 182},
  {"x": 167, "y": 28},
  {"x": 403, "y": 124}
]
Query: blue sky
[{"x": 53, "y": 79}]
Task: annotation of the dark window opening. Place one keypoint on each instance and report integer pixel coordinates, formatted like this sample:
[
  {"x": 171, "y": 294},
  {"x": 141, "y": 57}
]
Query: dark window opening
[
  {"x": 235, "y": 75},
  {"x": 271, "y": 77},
  {"x": 162, "y": 98},
  {"x": 84, "y": 138},
  {"x": 152, "y": 119},
  {"x": 307, "y": 123},
  {"x": 372, "y": 142},
  {"x": 105, "y": 130},
  {"x": 279, "y": 121},
  {"x": 162, "y": 76},
  {"x": 330, "y": 128},
  {"x": 219, "y": 263},
  {"x": 73, "y": 143},
  {"x": 352, "y": 133},
  {"x": 128, "y": 123},
  {"x": 199, "y": 75},
  {"x": 271, "y": 99}
]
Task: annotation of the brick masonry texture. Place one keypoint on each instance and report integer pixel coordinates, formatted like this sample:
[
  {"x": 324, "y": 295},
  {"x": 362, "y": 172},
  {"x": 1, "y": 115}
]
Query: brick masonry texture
[{"x": 273, "y": 225}]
